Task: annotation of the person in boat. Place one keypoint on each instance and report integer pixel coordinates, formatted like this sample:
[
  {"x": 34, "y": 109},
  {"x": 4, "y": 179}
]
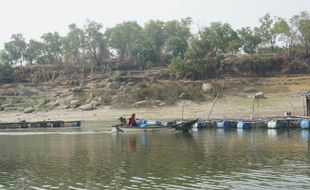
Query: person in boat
[
  {"x": 132, "y": 121},
  {"x": 122, "y": 120}
]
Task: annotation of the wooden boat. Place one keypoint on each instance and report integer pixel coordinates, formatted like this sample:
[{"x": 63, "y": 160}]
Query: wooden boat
[{"x": 182, "y": 126}]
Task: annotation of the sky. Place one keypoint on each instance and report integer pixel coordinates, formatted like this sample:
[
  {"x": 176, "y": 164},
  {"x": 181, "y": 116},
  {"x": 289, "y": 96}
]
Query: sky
[{"x": 32, "y": 18}]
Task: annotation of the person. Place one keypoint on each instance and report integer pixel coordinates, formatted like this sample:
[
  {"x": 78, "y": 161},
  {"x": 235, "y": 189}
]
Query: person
[{"x": 132, "y": 121}]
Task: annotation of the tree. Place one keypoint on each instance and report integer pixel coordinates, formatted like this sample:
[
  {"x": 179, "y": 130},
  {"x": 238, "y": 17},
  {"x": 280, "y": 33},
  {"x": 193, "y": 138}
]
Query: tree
[
  {"x": 282, "y": 30},
  {"x": 176, "y": 35},
  {"x": 14, "y": 50},
  {"x": 74, "y": 44},
  {"x": 175, "y": 46},
  {"x": 34, "y": 52},
  {"x": 53, "y": 50},
  {"x": 154, "y": 39},
  {"x": 300, "y": 28},
  {"x": 305, "y": 34},
  {"x": 249, "y": 39},
  {"x": 126, "y": 39},
  {"x": 222, "y": 37},
  {"x": 95, "y": 43},
  {"x": 266, "y": 31}
]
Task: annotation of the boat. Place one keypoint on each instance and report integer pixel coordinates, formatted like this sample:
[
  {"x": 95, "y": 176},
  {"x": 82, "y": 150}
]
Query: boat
[{"x": 183, "y": 126}]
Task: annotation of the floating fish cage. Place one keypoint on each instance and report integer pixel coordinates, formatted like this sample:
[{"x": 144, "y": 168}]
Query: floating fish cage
[
  {"x": 304, "y": 124},
  {"x": 224, "y": 124},
  {"x": 278, "y": 124},
  {"x": 244, "y": 125},
  {"x": 204, "y": 124}
]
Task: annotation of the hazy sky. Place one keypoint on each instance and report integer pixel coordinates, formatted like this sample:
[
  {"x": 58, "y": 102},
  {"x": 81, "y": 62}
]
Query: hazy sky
[{"x": 32, "y": 18}]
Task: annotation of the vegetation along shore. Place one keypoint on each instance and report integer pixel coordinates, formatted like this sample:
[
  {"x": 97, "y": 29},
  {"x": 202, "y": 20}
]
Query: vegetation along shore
[{"x": 157, "y": 70}]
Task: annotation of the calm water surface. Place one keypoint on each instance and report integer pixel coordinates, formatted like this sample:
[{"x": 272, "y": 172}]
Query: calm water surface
[{"x": 208, "y": 159}]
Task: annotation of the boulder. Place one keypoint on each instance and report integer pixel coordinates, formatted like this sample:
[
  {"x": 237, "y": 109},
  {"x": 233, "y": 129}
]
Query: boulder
[
  {"x": 258, "y": 95},
  {"x": 75, "y": 103},
  {"x": 77, "y": 89},
  {"x": 95, "y": 103},
  {"x": 207, "y": 87},
  {"x": 140, "y": 103},
  {"x": 87, "y": 107},
  {"x": 28, "y": 110},
  {"x": 249, "y": 89}
]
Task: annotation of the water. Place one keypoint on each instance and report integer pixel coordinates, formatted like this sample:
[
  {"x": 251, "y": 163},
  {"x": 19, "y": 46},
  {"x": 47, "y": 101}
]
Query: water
[{"x": 208, "y": 159}]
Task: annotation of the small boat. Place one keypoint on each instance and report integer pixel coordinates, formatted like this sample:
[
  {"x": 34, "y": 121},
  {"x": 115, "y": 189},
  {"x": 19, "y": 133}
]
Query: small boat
[{"x": 183, "y": 126}]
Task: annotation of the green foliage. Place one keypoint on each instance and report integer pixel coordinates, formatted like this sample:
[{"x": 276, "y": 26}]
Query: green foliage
[
  {"x": 5, "y": 70},
  {"x": 177, "y": 66},
  {"x": 116, "y": 76},
  {"x": 96, "y": 44},
  {"x": 221, "y": 37},
  {"x": 126, "y": 39},
  {"x": 250, "y": 39}
]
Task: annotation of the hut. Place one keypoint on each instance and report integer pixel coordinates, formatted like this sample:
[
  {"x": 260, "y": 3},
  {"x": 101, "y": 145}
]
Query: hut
[{"x": 307, "y": 94}]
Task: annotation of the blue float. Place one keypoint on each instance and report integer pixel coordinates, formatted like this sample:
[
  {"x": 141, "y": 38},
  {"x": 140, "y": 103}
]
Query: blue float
[
  {"x": 244, "y": 125},
  {"x": 224, "y": 124},
  {"x": 304, "y": 124}
]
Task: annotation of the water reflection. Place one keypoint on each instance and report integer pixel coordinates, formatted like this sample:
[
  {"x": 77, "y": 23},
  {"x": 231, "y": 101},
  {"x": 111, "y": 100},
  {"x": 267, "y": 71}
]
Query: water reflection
[{"x": 208, "y": 159}]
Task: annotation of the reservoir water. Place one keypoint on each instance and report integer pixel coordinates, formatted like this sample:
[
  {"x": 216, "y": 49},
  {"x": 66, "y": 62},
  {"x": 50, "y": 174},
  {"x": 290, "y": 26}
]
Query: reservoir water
[{"x": 207, "y": 159}]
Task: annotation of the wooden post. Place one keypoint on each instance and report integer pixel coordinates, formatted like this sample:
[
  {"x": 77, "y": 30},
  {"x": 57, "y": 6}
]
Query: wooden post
[
  {"x": 183, "y": 111},
  {"x": 253, "y": 110},
  {"x": 308, "y": 104},
  {"x": 214, "y": 102}
]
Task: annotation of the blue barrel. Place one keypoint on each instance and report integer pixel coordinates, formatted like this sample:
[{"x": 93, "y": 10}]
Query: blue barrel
[
  {"x": 200, "y": 124},
  {"x": 224, "y": 124},
  {"x": 244, "y": 125},
  {"x": 277, "y": 124},
  {"x": 305, "y": 124}
]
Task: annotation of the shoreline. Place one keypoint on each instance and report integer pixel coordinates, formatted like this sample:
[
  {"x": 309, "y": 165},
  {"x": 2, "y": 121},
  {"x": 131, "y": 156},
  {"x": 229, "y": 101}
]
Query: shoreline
[{"x": 237, "y": 107}]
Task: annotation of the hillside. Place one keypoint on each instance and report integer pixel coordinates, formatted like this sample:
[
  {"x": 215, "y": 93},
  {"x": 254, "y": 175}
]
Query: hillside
[{"x": 72, "y": 94}]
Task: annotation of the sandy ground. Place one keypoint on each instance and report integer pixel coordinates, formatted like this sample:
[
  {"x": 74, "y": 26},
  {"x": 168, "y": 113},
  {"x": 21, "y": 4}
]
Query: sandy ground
[{"x": 226, "y": 107}]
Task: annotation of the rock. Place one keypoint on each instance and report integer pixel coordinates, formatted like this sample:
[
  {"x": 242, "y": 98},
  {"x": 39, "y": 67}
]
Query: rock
[
  {"x": 42, "y": 102},
  {"x": 53, "y": 104},
  {"x": 87, "y": 107},
  {"x": 28, "y": 110},
  {"x": 75, "y": 103},
  {"x": 140, "y": 103},
  {"x": 130, "y": 84},
  {"x": 182, "y": 95},
  {"x": 207, "y": 87},
  {"x": 249, "y": 89},
  {"x": 123, "y": 88},
  {"x": 258, "y": 95},
  {"x": 162, "y": 104},
  {"x": 11, "y": 109},
  {"x": 94, "y": 103},
  {"x": 77, "y": 89}
]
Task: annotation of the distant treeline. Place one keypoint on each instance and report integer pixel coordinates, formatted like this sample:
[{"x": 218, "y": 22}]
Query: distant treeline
[{"x": 158, "y": 43}]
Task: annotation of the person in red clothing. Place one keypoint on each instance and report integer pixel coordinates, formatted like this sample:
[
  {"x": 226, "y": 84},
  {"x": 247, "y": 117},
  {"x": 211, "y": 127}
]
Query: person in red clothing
[{"x": 132, "y": 121}]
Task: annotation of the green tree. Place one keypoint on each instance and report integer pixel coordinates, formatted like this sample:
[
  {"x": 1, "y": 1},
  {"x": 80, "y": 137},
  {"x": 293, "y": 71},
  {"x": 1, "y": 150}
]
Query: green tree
[
  {"x": 282, "y": 30},
  {"x": 154, "y": 39},
  {"x": 176, "y": 34},
  {"x": 96, "y": 43},
  {"x": 53, "y": 50},
  {"x": 34, "y": 52},
  {"x": 249, "y": 39},
  {"x": 222, "y": 37},
  {"x": 14, "y": 51},
  {"x": 267, "y": 33},
  {"x": 74, "y": 44},
  {"x": 305, "y": 34},
  {"x": 126, "y": 39}
]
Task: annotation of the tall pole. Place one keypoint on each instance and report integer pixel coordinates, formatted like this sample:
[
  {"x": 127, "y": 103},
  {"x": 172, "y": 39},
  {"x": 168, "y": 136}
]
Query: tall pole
[
  {"x": 183, "y": 111},
  {"x": 214, "y": 102}
]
